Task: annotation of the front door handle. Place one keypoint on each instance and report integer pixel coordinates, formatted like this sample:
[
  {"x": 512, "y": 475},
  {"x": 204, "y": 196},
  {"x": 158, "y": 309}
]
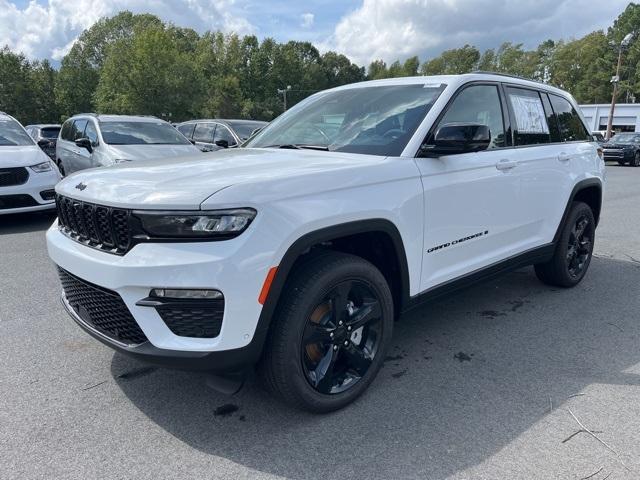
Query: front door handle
[{"x": 506, "y": 164}]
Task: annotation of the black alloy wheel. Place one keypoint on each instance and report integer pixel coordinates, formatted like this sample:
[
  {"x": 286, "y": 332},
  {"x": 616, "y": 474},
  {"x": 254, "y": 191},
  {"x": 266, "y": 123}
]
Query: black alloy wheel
[
  {"x": 580, "y": 245},
  {"x": 342, "y": 337}
]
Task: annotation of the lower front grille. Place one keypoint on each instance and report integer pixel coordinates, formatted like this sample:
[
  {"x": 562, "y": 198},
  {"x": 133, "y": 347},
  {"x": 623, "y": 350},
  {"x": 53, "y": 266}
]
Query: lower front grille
[
  {"x": 102, "y": 309},
  {"x": 198, "y": 319},
  {"x": 17, "y": 201}
]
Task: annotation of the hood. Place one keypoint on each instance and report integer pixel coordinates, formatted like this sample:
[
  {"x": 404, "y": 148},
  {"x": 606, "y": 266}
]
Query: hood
[
  {"x": 186, "y": 182},
  {"x": 139, "y": 152},
  {"x": 21, "y": 156}
]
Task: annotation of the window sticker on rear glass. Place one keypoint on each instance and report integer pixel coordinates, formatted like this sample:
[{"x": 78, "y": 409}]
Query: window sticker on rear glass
[{"x": 529, "y": 114}]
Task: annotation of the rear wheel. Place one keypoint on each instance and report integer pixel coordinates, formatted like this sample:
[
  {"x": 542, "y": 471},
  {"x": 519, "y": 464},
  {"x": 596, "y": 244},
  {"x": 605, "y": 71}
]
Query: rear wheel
[
  {"x": 636, "y": 160},
  {"x": 330, "y": 333},
  {"x": 572, "y": 256}
]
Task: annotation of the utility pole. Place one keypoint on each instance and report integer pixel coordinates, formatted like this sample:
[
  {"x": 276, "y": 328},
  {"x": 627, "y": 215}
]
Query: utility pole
[
  {"x": 615, "y": 80},
  {"x": 283, "y": 92}
]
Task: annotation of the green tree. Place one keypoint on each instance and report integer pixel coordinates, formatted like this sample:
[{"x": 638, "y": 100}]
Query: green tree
[{"x": 454, "y": 61}]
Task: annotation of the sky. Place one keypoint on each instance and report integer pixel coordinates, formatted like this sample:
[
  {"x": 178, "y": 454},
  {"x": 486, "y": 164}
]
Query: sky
[{"x": 364, "y": 30}]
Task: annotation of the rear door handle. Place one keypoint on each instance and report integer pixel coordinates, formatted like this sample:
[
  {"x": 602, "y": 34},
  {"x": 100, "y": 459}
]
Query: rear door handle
[
  {"x": 563, "y": 157},
  {"x": 506, "y": 164}
]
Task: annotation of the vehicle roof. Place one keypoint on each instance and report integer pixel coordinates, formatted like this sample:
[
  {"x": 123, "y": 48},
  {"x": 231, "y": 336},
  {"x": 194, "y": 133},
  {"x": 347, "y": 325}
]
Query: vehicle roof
[
  {"x": 456, "y": 81},
  {"x": 225, "y": 121},
  {"x": 43, "y": 125},
  {"x": 120, "y": 118}
]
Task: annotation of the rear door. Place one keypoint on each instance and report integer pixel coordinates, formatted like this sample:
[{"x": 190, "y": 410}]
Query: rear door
[
  {"x": 78, "y": 158},
  {"x": 471, "y": 200}
]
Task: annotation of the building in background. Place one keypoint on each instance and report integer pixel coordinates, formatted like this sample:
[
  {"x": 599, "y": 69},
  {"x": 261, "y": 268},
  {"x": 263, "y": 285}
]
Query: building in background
[{"x": 625, "y": 119}]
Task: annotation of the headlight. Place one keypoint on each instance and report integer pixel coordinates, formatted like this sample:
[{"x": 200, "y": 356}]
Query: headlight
[
  {"x": 41, "y": 167},
  {"x": 217, "y": 224}
]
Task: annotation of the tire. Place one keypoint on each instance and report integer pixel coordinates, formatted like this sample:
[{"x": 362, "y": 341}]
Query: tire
[
  {"x": 61, "y": 168},
  {"x": 574, "y": 249},
  {"x": 636, "y": 160},
  {"x": 331, "y": 373},
  {"x": 621, "y": 163}
]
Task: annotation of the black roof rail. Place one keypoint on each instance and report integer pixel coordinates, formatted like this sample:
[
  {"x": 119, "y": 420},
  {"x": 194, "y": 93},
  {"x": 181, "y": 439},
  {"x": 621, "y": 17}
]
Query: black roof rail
[{"x": 510, "y": 75}]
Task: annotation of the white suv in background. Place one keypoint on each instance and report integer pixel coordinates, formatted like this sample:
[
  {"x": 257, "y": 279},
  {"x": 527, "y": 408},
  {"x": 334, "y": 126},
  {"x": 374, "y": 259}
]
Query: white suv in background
[
  {"x": 27, "y": 174},
  {"x": 90, "y": 140},
  {"x": 297, "y": 252}
]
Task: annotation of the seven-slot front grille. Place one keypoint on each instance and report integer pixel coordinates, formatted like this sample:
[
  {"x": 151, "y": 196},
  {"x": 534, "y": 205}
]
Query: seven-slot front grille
[
  {"x": 102, "y": 309},
  {"x": 97, "y": 226},
  {"x": 13, "y": 176}
]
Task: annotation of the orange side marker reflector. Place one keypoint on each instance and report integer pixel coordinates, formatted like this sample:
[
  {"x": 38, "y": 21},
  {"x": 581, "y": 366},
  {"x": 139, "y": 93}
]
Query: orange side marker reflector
[{"x": 264, "y": 293}]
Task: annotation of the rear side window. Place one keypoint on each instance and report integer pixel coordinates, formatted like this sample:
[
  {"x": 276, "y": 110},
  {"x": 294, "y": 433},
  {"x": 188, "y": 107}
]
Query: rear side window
[
  {"x": 570, "y": 125},
  {"x": 223, "y": 133},
  {"x": 529, "y": 120},
  {"x": 204, "y": 132},
  {"x": 552, "y": 120},
  {"x": 479, "y": 104},
  {"x": 187, "y": 130}
]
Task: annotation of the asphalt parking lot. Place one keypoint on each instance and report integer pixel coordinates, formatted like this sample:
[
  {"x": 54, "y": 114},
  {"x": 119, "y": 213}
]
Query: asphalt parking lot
[{"x": 491, "y": 383}]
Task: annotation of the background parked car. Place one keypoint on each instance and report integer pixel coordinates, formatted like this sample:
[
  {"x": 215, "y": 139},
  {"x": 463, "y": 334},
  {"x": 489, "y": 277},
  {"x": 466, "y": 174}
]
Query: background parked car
[
  {"x": 623, "y": 148},
  {"x": 46, "y": 136},
  {"x": 27, "y": 175},
  {"x": 214, "y": 134},
  {"x": 90, "y": 140}
]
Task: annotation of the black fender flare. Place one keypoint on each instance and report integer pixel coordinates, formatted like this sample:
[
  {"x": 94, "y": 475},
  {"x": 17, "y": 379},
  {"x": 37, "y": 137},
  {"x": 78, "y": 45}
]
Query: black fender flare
[
  {"x": 304, "y": 243},
  {"x": 581, "y": 185}
]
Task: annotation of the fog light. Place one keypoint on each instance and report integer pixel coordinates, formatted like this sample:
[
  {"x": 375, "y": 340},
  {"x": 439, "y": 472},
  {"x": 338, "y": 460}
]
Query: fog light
[{"x": 185, "y": 294}]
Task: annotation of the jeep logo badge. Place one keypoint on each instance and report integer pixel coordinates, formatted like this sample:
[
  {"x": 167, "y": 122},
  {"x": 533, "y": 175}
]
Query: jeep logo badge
[{"x": 81, "y": 186}]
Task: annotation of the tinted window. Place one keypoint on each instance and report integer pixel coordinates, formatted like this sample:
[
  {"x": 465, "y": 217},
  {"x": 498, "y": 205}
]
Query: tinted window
[
  {"x": 141, "y": 133},
  {"x": 50, "y": 132},
  {"x": 223, "y": 133},
  {"x": 376, "y": 120},
  {"x": 65, "y": 133},
  {"x": 187, "y": 130},
  {"x": 571, "y": 126},
  {"x": 529, "y": 121},
  {"x": 204, "y": 132},
  {"x": 91, "y": 133},
  {"x": 244, "y": 130},
  {"x": 552, "y": 120},
  {"x": 12, "y": 134},
  {"x": 78, "y": 129},
  {"x": 478, "y": 104}
]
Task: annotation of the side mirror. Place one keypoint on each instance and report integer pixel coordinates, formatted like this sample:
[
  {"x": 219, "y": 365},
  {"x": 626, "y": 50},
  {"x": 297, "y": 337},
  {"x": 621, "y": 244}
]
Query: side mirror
[
  {"x": 455, "y": 138},
  {"x": 43, "y": 143},
  {"x": 84, "y": 143},
  {"x": 222, "y": 143}
]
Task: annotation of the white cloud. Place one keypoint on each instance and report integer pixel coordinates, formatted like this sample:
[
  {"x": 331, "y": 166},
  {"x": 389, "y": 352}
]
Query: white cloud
[
  {"x": 307, "y": 20},
  {"x": 49, "y": 30},
  {"x": 397, "y": 29}
]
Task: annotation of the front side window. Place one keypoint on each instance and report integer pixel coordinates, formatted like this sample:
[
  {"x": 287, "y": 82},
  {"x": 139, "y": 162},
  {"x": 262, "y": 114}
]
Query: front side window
[
  {"x": 141, "y": 133},
  {"x": 78, "y": 129},
  {"x": 530, "y": 122},
  {"x": 12, "y": 134},
  {"x": 375, "y": 120},
  {"x": 204, "y": 132},
  {"x": 91, "y": 133},
  {"x": 223, "y": 133},
  {"x": 478, "y": 104},
  {"x": 571, "y": 127}
]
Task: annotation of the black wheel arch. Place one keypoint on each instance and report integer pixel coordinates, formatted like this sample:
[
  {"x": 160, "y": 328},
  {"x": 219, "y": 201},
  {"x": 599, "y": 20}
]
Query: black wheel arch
[
  {"x": 319, "y": 237},
  {"x": 588, "y": 191}
]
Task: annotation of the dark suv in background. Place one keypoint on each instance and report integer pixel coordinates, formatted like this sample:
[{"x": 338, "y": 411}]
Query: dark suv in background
[
  {"x": 212, "y": 134},
  {"x": 623, "y": 148},
  {"x": 45, "y": 136}
]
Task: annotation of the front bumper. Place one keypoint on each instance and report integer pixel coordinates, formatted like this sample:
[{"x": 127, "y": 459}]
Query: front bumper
[
  {"x": 33, "y": 189},
  {"x": 229, "y": 266}
]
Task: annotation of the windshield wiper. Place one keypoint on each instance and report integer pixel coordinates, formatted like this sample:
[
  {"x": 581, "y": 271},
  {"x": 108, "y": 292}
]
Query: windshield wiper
[{"x": 300, "y": 146}]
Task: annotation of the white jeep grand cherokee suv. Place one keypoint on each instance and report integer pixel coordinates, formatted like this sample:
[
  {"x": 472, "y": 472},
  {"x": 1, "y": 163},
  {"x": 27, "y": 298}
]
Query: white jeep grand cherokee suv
[{"x": 296, "y": 253}]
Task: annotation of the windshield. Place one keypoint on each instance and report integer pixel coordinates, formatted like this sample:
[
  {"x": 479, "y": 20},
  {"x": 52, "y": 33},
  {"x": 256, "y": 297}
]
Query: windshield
[
  {"x": 626, "y": 138},
  {"x": 244, "y": 130},
  {"x": 141, "y": 133},
  {"x": 376, "y": 120},
  {"x": 50, "y": 132},
  {"x": 12, "y": 134}
]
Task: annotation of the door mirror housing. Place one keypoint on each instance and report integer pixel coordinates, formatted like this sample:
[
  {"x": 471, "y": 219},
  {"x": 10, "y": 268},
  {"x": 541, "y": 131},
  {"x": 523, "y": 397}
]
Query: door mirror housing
[
  {"x": 222, "y": 143},
  {"x": 456, "y": 138},
  {"x": 84, "y": 143},
  {"x": 42, "y": 143}
]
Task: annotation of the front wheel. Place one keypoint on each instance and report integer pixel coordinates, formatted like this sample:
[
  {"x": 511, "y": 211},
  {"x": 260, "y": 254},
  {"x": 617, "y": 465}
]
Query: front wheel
[
  {"x": 330, "y": 333},
  {"x": 572, "y": 255},
  {"x": 61, "y": 168},
  {"x": 636, "y": 160}
]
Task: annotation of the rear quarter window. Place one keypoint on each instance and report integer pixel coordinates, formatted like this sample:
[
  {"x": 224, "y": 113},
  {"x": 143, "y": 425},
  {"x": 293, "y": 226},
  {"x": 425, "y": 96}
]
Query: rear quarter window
[{"x": 569, "y": 122}]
